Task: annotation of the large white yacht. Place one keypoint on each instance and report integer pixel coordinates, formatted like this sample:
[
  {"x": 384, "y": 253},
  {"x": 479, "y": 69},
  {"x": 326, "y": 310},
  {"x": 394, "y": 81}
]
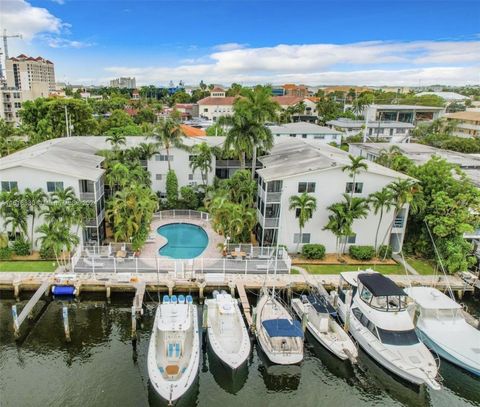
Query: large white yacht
[
  {"x": 442, "y": 327},
  {"x": 227, "y": 333},
  {"x": 320, "y": 323},
  {"x": 279, "y": 335},
  {"x": 374, "y": 309},
  {"x": 174, "y": 350}
]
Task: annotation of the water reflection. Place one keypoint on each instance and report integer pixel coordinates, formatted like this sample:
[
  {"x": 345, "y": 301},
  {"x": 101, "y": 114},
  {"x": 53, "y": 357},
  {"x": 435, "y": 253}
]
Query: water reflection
[
  {"x": 278, "y": 378},
  {"x": 189, "y": 399},
  {"x": 460, "y": 382},
  {"x": 374, "y": 379}
]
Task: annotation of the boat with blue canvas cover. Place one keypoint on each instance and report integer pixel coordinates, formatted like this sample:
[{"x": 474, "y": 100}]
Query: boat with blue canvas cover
[
  {"x": 441, "y": 326},
  {"x": 174, "y": 349},
  {"x": 279, "y": 335}
]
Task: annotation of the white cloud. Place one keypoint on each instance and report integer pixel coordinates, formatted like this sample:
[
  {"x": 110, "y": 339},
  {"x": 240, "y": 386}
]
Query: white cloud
[
  {"x": 229, "y": 46},
  {"x": 19, "y": 16},
  {"x": 58, "y": 42},
  {"x": 369, "y": 63},
  {"x": 61, "y": 2}
]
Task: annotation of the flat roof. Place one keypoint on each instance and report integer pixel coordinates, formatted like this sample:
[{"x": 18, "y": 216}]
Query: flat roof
[
  {"x": 405, "y": 107},
  {"x": 292, "y": 156},
  {"x": 302, "y": 128},
  {"x": 342, "y": 122}
]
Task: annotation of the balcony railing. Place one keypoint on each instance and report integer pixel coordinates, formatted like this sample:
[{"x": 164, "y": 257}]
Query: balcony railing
[
  {"x": 399, "y": 221},
  {"x": 87, "y": 196},
  {"x": 273, "y": 196},
  {"x": 271, "y": 222}
]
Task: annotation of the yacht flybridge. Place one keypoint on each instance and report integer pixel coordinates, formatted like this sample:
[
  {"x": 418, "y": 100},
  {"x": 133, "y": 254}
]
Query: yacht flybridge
[
  {"x": 279, "y": 335},
  {"x": 320, "y": 323},
  {"x": 442, "y": 327},
  {"x": 174, "y": 350},
  {"x": 227, "y": 334},
  {"x": 374, "y": 309}
]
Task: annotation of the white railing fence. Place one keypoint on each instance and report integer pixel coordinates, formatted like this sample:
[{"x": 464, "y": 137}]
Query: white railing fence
[{"x": 181, "y": 213}]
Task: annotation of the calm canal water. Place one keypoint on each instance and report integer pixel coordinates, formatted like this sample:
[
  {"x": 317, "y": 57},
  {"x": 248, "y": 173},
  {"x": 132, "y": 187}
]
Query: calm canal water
[{"x": 100, "y": 368}]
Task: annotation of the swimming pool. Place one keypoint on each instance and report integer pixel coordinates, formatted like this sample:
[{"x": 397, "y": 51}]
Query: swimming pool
[{"x": 185, "y": 241}]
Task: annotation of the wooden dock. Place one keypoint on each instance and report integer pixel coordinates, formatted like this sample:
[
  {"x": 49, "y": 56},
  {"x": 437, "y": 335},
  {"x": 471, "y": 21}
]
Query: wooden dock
[
  {"x": 138, "y": 299},
  {"x": 245, "y": 303},
  {"x": 28, "y": 308}
]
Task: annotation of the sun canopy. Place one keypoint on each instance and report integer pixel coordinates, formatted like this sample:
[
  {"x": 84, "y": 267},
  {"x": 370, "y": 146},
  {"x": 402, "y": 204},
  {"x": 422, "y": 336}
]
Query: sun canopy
[
  {"x": 321, "y": 305},
  {"x": 379, "y": 285},
  {"x": 283, "y": 327}
]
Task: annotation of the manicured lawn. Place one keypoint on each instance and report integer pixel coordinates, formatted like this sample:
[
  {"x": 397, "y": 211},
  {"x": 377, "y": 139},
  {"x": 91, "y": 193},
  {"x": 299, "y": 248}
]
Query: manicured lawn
[
  {"x": 422, "y": 266},
  {"x": 338, "y": 268},
  {"x": 29, "y": 266}
]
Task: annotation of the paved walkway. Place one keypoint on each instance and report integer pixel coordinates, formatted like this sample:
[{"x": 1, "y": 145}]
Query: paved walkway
[{"x": 409, "y": 268}]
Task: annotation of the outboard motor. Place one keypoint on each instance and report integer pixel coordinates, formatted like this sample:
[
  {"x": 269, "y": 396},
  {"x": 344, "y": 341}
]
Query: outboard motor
[{"x": 215, "y": 293}]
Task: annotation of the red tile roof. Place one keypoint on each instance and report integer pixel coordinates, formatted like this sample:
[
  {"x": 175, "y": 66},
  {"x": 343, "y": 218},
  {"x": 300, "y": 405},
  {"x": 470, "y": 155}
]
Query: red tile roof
[
  {"x": 212, "y": 101},
  {"x": 287, "y": 100},
  {"x": 190, "y": 131},
  {"x": 217, "y": 89}
]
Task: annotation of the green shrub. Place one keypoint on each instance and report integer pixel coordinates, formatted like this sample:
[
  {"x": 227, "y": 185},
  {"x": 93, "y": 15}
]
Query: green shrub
[
  {"x": 385, "y": 251},
  {"x": 362, "y": 252},
  {"x": 189, "y": 197},
  {"x": 313, "y": 251},
  {"x": 21, "y": 247},
  {"x": 3, "y": 240},
  {"x": 5, "y": 253},
  {"x": 46, "y": 253}
]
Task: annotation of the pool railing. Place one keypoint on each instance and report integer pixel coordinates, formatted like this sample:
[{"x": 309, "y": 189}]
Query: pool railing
[
  {"x": 181, "y": 214},
  {"x": 99, "y": 260}
]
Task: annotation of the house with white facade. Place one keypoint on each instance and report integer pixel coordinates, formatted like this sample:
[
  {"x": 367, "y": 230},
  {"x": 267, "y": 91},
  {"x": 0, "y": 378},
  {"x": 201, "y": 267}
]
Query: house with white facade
[
  {"x": 56, "y": 165},
  {"x": 403, "y": 113},
  {"x": 307, "y": 131},
  {"x": 295, "y": 166},
  {"x": 392, "y": 131}
]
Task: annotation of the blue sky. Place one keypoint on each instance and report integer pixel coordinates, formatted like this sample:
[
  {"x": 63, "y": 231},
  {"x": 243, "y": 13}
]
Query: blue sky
[{"x": 316, "y": 42}]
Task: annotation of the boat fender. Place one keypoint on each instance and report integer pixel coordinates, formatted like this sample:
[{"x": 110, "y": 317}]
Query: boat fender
[
  {"x": 215, "y": 293},
  {"x": 189, "y": 299},
  {"x": 181, "y": 299},
  {"x": 173, "y": 299},
  {"x": 166, "y": 299}
]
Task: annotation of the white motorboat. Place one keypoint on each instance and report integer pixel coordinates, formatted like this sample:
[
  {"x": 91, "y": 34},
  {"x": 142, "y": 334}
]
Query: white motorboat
[
  {"x": 374, "y": 310},
  {"x": 227, "y": 333},
  {"x": 279, "y": 335},
  {"x": 321, "y": 324},
  {"x": 442, "y": 327},
  {"x": 174, "y": 350}
]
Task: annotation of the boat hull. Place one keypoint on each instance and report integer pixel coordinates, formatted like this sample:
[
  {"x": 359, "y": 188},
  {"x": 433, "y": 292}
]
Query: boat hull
[
  {"x": 431, "y": 344},
  {"x": 172, "y": 390}
]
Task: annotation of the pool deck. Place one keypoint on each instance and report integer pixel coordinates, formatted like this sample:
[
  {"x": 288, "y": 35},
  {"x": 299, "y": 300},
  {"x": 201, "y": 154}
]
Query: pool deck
[{"x": 150, "y": 249}]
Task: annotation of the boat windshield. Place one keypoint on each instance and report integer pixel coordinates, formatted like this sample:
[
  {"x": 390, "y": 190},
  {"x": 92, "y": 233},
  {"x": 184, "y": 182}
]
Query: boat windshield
[
  {"x": 388, "y": 303},
  {"x": 398, "y": 338}
]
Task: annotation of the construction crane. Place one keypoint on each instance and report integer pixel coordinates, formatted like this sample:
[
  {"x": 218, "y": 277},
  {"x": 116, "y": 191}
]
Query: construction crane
[{"x": 5, "y": 50}]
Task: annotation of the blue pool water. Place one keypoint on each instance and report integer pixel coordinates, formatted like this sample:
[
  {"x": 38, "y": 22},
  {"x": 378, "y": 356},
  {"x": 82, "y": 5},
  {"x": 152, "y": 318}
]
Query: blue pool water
[{"x": 185, "y": 241}]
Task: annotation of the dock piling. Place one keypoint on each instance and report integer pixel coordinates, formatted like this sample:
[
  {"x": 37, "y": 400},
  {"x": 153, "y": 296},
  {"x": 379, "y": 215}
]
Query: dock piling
[
  {"x": 66, "y": 324},
  {"x": 134, "y": 324},
  {"x": 16, "y": 327}
]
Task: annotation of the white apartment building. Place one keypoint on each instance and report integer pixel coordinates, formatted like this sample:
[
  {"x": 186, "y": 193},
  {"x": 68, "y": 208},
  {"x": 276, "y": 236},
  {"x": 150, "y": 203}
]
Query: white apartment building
[
  {"x": 59, "y": 164},
  {"x": 306, "y": 130},
  {"x": 124, "y": 82},
  {"x": 11, "y": 100},
  {"x": 392, "y": 131},
  {"x": 297, "y": 166},
  {"x": 402, "y": 113},
  {"x": 33, "y": 75}
]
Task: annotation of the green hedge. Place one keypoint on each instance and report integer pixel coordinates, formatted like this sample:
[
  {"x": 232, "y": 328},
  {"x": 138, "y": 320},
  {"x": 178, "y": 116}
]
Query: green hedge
[
  {"x": 385, "y": 251},
  {"x": 313, "y": 251},
  {"x": 47, "y": 253},
  {"x": 5, "y": 253},
  {"x": 21, "y": 247},
  {"x": 362, "y": 252}
]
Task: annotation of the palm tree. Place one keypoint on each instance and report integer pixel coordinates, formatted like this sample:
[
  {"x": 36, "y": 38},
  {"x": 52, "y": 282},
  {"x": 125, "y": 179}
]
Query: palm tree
[
  {"x": 356, "y": 208},
  {"x": 338, "y": 223},
  {"x": 118, "y": 175},
  {"x": 146, "y": 151},
  {"x": 35, "y": 201},
  {"x": 239, "y": 135},
  {"x": 13, "y": 212},
  {"x": 381, "y": 200},
  {"x": 58, "y": 237},
  {"x": 168, "y": 133},
  {"x": 83, "y": 212},
  {"x": 117, "y": 140},
  {"x": 357, "y": 164},
  {"x": 305, "y": 204},
  {"x": 259, "y": 105},
  {"x": 202, "y": 160}
]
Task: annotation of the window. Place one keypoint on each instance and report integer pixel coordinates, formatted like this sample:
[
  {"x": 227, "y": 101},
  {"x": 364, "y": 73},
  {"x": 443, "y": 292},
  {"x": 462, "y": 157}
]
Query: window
[
  {"x": 349, "y": 239},
  {"x": 304, "y": 238},
  {"x": 306, "y": 187},
  {"x": 9, "y": 185},
  {"x": 297, "y": 212},
  {"x": 293, "y": 135},
  {"x": 366, "y": 295},
  {"x": 190, "y": 177},
  {"x": 398, "y": 338},
  {"x": 53, "y": 186},
  {"x": 163, "y": 157},
  {"x": 304, "y": 136},
  {"x": 358, "y": 187},
  {"x": 319, "y": 137},
  {"x": 158, "y": 177}
]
